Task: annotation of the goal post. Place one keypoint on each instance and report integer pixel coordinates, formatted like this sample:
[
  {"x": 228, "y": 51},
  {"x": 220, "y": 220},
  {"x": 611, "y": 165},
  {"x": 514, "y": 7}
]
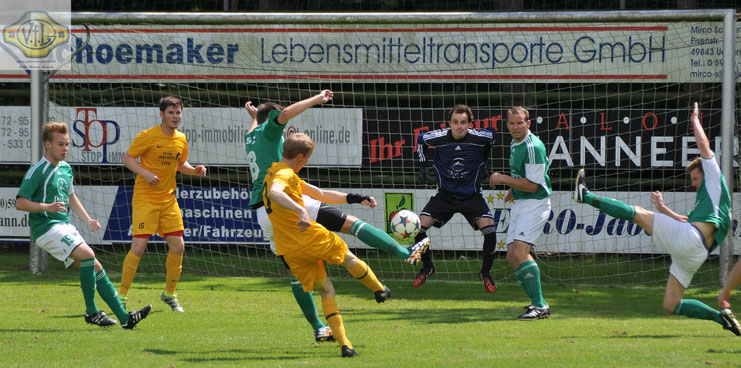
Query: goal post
[{"x": 608, "y": 91}]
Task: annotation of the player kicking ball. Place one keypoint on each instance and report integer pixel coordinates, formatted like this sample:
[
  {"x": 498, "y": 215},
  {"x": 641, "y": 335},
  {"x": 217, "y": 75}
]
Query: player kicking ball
[
  {"x": 264, "y": 146},
  {"x": 304, "y": 244},
  {"x": 687, "y": 238},
  {"x": 47, "y": 193}
]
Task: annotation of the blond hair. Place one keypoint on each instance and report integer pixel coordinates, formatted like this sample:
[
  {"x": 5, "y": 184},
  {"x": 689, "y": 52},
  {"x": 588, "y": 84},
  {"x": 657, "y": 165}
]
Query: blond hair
[
  {"x": 298, "y": 143},
  {"x": 52, "y": 127},
  {"x": 519, "y": 110}
]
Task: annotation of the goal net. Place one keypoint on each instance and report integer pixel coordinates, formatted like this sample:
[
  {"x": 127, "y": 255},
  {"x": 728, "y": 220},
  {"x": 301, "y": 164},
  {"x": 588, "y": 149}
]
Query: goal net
[{"x": 607, "y": 93}]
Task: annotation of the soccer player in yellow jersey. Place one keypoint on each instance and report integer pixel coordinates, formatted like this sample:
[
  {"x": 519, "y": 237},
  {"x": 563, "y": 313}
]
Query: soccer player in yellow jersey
[
  {"x": 162, "y": 152},
  {"x": 302, "y": 243}
]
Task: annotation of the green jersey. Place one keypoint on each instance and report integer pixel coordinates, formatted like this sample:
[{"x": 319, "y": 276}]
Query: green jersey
[
  {"x": 46, "y": 183},
  {"x": 713, "y": 201},
  {"x": 528, "y": 160},
  {"x": 264, "y": 145}
]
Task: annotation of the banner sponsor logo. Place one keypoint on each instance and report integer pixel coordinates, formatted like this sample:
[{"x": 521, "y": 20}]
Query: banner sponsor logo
[
  {"x": 517, "y": 53},
  {"x": 85, "y": 128},
  {"x": 210, "y": 215},
  {"x": 609, "y": 140},
  {"x": 101, "y": 135},
  {"x": 221, "y": 215},
  {"x": 35, "y": 40}
]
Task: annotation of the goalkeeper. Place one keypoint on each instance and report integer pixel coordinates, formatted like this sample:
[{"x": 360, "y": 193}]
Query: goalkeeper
[
  {"x": 460, "y": 162},
  {"x": 264, "y": 146},
  {"x": 687, "y": 238},
  {"x": 48, "y": 193}
]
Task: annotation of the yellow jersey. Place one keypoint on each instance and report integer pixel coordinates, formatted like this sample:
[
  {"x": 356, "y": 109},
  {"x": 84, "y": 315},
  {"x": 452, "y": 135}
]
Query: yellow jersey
[
  {"x": 160, "y": 154},
  {"x": 288, "y": 238}
]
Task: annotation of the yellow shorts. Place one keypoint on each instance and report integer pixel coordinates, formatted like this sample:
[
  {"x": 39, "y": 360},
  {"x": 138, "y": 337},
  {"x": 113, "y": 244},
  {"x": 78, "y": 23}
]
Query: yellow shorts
[
  {"x": 162, "y": 217},
  {"x": 307, "y": 265}
]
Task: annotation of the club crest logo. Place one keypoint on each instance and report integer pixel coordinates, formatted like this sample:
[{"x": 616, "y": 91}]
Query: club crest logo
[{"x": 36, "y": 34}]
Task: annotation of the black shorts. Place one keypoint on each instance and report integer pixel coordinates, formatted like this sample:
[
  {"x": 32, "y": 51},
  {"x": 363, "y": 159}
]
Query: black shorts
[{"x": 442, "y": 206}]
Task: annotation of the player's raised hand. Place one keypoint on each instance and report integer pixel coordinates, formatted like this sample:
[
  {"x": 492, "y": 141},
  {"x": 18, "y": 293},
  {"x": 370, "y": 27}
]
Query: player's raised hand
[
  {"x": 695, "y": 116},
  {"x": 200, "y": 170},
  {"x": 657, "y": 199},
  {"x": 94, "y": 225},
  {"x": 325, "y": 96},
  {"x": 250, "y": 109},
  {"x": 56, "y": 207}
]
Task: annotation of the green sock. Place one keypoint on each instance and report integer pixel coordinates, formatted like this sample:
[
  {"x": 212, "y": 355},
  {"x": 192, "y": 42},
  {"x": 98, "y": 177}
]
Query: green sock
[
  {"x": 528, "y": 275},
  {"x": 305, "y": 300},
  {"x": 696, "y": 309},
  {"x": 612, "y": 207},
  {"x": 378, "y": 239},
  {"x": 87, "y": 284},
  {"x": 110, "y": 296}
]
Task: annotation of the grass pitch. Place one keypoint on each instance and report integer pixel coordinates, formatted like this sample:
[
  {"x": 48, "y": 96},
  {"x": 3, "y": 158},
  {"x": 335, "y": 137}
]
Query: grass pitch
[{"x": 254, "y": 322}]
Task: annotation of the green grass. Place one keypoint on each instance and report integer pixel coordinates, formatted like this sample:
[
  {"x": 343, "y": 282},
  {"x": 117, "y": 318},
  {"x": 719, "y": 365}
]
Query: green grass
[{"x": 254, "y": 322}]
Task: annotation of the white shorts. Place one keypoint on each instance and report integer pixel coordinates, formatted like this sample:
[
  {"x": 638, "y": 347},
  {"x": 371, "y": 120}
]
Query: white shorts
[
  {"x": 311, "y": 204},
  {"x": 60, "y": 241},
  {"x": 684, "y": 243},
  {"x": 527, "y": 219}
]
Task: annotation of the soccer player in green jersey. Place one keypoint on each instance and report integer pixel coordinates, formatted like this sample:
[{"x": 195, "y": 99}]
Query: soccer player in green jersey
[
  {"x": 47, "y": 193},
  {"x": 530, "y": 188},
  {"x": 264, "y": 146},
  {"x": 687, "y": 238}
]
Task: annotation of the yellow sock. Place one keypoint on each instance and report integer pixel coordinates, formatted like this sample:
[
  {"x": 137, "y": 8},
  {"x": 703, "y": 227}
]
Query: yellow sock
[
  {"x": 131, "y": 263},
  {"x": 365, "y": 275},
  {"x": 174, "y": 268},
  {"x": 334, "y": 318}
]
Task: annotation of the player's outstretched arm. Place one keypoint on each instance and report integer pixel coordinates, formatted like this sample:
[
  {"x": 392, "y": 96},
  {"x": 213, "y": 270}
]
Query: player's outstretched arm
[
  {"x": 130, "y": 162},
  {"x": 658, "y": 201},
  {"x": 335, "y": 197},
  {"x": 277, "y": 195},
  {"x": 291, "y": 111},
  {"x": 27, "y": 205},
  {"x": 76, "y": 206},
  {"x": 253, "y": 113},
  {"x": 702, "y": 140},
  {"x": 734, "y": 281},
  {"x": 186, "y": 168},
  {"x": 516, "y": 183}
]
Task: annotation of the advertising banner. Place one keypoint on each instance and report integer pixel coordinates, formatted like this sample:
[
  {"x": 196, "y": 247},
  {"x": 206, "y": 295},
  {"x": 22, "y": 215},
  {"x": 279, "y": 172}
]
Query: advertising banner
[
  {"x": 220, "y": 215},
  {"x": 101, "y": 135},
  {"x": 673, "y": 52}
]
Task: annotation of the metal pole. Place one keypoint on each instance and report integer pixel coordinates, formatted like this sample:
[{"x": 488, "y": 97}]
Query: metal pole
[
  {"x": 728, "y": 120},
  {"x": 37, "y": 263}
]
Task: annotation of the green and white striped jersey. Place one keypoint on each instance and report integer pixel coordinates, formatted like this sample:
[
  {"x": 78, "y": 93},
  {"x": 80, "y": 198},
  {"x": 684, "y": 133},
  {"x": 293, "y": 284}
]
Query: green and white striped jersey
[
  {"x": 713, "y": 201},
  {"x": 263, "y": 146},
  {"x": 46, "y": 183},
  {"x": 528, "y": 159}
]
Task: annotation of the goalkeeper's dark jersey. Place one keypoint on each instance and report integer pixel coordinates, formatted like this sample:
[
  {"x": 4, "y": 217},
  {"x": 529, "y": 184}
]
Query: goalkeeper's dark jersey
[{"x": 460, "y": 164}]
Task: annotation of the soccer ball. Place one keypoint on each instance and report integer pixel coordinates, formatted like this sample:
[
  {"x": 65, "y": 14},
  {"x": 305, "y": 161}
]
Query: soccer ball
[{"x": 405, "y": 225}]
